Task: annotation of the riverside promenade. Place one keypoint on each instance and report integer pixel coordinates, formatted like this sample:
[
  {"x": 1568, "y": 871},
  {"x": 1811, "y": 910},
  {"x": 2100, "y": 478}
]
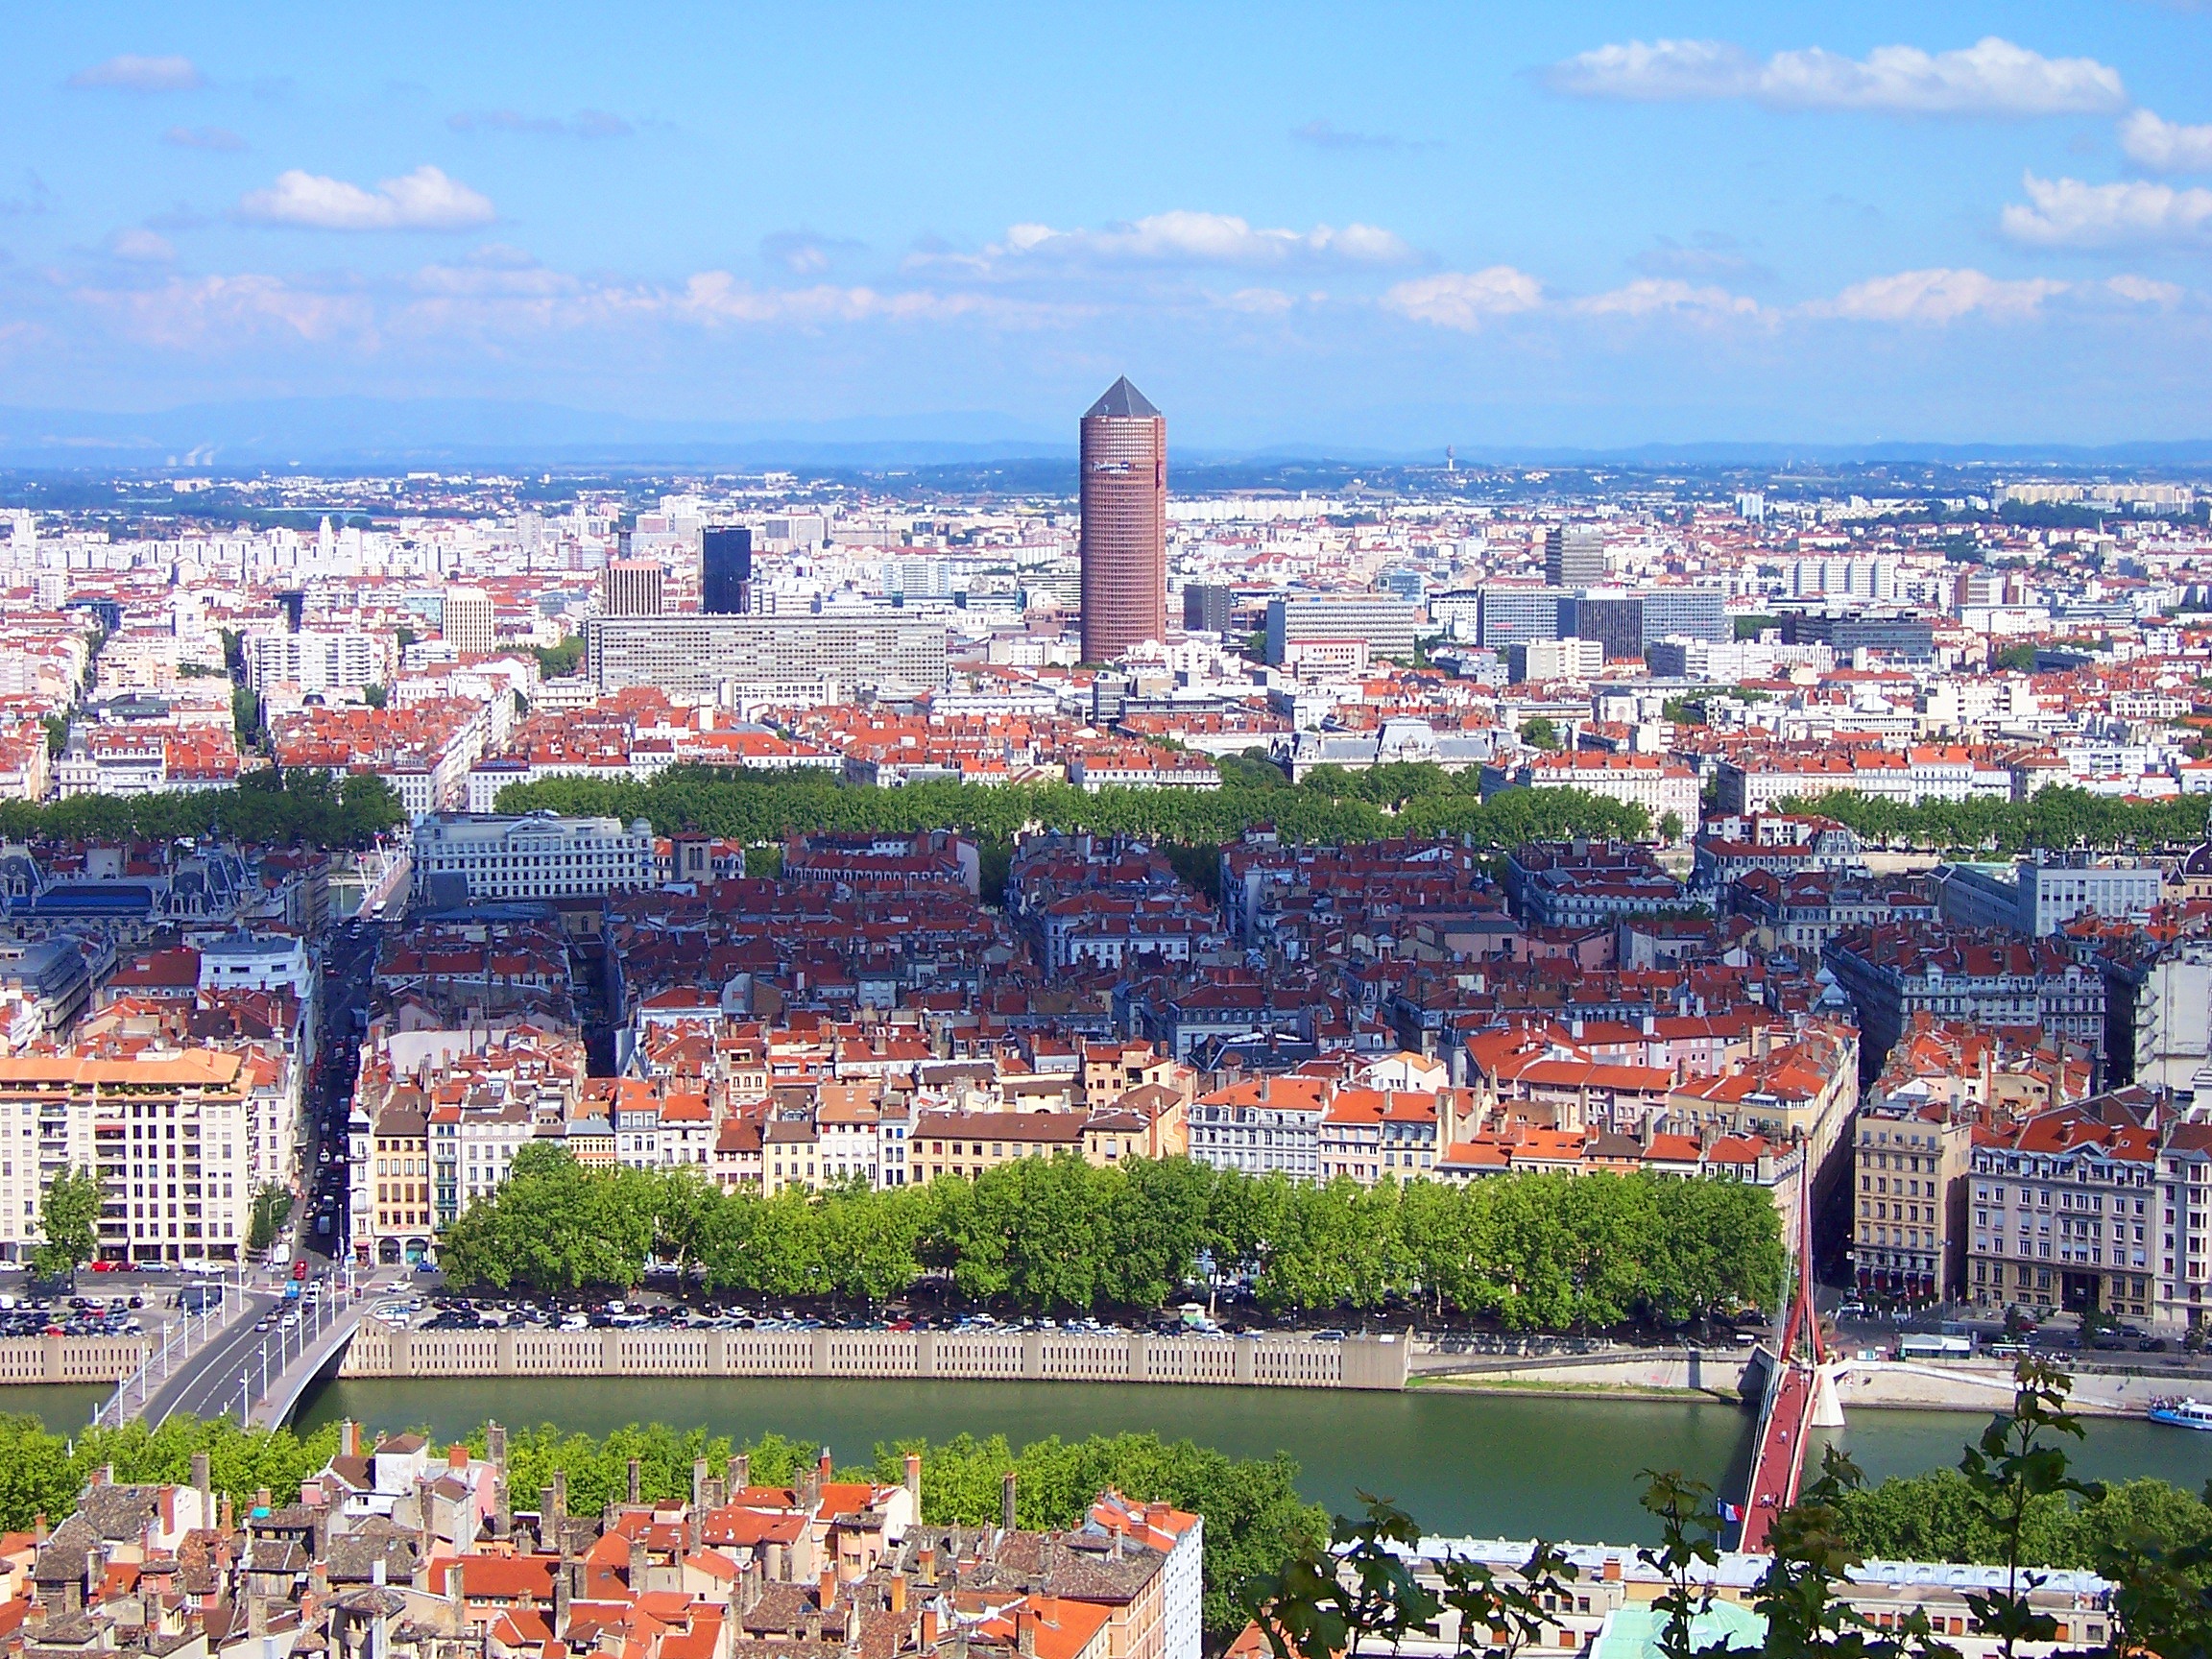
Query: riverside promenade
[{"x": 1367, "y": 1362}]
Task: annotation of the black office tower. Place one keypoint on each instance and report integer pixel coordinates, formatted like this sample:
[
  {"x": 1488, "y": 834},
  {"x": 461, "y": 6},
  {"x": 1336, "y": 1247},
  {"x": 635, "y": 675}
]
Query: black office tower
[
  {"x": 1206, "y": 609},
  {"x": 726, "y": 570},
  {"x": 1615, "y": 623}
]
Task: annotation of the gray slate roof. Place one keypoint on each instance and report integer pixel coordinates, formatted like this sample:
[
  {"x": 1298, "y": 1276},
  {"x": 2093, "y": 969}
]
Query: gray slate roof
[{"x": 1123, "y": 400}]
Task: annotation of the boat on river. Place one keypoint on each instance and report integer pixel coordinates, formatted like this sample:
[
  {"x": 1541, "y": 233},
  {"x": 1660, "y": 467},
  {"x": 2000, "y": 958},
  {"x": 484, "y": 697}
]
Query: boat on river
[{"x": 2181, "y": 1413}]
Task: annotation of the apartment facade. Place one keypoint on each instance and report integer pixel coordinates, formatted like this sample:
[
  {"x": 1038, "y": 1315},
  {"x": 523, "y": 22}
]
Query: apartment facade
[
  {"x": 2062, "y": 1213},
  {"x": 799, "y": 660},
  {"x": 170, "y": 1132},
  {"x": 539, "y": 855},
  {"x": 1910, "y": 1161}
]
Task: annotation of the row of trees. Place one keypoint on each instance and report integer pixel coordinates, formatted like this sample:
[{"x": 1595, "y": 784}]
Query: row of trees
[
  {"x": 1536, "y": 1252},
  {"x": 1253, "y": 1516},
  {"x": 1331, "y": 805},
  {"x": 2059, "y": 817},
  {"x": 268, "y": 807},
  {"x": 1939, "y": 1517},
  {"x": 42, "y": 1474}
]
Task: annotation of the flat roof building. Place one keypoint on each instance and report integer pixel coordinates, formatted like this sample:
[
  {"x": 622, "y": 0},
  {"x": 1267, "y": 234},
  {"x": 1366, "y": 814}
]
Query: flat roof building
[
  {"x": 790, "y": 659},
  {"x": 537, "y": 855}
]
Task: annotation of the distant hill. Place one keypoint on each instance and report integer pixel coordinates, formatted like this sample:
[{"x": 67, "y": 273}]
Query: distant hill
[{"x": 428, "y": 433}]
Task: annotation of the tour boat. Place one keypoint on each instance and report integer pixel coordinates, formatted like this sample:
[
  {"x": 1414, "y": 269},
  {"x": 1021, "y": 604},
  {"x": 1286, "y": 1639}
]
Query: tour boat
[{"x": 2181, "y": 1413}]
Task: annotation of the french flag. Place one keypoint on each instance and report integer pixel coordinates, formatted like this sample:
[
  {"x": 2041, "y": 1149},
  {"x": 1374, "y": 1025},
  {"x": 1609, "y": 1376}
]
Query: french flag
[{"x": 1729, "y": 1512}]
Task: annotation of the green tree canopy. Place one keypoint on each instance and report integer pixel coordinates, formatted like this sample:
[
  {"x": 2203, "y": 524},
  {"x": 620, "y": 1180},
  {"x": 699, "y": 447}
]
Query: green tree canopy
[{"x": 68, "y": 1223}]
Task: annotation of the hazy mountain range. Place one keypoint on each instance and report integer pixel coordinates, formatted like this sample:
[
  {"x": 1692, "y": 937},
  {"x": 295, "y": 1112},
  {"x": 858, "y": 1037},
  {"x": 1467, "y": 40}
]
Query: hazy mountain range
[{"x": 374, "y": 434}]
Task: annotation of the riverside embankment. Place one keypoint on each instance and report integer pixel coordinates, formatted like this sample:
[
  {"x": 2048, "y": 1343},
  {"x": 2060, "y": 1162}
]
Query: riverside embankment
[
  {"x": 1732, "y": 1374},
  {"x": 1136, "y": 1357}
]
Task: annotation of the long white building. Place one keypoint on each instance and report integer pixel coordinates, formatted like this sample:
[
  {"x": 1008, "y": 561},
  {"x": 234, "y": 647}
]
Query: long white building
[
  {"x": 782, "y": 660},
  {"x": 541, "y": 855}
]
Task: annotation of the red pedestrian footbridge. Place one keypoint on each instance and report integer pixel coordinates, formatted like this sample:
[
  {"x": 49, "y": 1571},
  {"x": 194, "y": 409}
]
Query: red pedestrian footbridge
[{"x": 1796, "y": 1383}]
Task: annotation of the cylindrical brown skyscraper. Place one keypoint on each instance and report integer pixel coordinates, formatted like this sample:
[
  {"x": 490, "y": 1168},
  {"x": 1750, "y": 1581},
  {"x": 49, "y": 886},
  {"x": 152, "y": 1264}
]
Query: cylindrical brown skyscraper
[{"x": 1125, "y": 495}]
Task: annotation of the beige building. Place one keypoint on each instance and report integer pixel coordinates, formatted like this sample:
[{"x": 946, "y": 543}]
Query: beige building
[
  {"x": 2062, "y": 1212},
  {"x": 170, "y": 1130},
  {"x": 468, "y": 621},
  {"x": 1909, "y": 1206}
]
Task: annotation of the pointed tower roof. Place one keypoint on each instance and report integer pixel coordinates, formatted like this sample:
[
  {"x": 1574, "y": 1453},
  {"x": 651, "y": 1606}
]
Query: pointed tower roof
[{"x": 1123, "y": 400}]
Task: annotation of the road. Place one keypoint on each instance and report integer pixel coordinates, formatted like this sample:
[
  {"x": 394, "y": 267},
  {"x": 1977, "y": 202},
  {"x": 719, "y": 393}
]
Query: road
[
  {"x": 206, "y": 1386},
  {"x": 349, "y": 963}
]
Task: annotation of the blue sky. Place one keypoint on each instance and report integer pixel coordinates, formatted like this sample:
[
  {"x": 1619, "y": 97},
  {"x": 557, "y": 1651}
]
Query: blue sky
[{"x": 1391, "y": 226}]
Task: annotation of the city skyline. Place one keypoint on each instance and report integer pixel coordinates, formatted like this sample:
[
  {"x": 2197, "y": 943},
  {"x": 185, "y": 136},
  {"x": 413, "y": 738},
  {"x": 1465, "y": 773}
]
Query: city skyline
[{"x": 1622, "y": 227}]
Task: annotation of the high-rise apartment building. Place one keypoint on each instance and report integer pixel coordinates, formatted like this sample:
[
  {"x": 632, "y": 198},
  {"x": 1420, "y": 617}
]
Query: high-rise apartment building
[
  {"x": 213, "y": 1123},
  {"x": 1685, "y": 612},
  {"x": 726, "y": 570},
  {"x": 1386, "y": 625},
  {"x": 468, "y": 621},
  {"x": 1575, "y": 556},
  {"x": 780, "y": 659},
  {"x": 632, "y": 587},
  {"x": 1516, "y": 615},
  {"x": 1124, "y": 512}
]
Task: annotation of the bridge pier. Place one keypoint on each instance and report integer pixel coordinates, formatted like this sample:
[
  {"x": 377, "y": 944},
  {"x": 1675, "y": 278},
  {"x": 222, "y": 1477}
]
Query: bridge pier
[{"x": 1827, "y": 1398}]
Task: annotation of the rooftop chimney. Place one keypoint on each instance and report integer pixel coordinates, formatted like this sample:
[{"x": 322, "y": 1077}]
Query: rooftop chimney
[
  {"x": 740, "y": 1473},
  {"x": 914, "y": 1482},
  {"x": 1006, "y": 1502},
  {"x": 203, "y": 1483},
  {"x": 636, "y": 1479},
  {"x": 698, "y": 1483},
  {"x": 495, "y": 1446}
]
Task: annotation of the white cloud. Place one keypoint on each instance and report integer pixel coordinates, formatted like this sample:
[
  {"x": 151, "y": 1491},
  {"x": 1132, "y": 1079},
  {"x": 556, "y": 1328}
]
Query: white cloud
[
  {"x": 2069, "y": 213},
  {"x": 2144, "y": 291},
  {"x": 2167, "y": 146},
  {"x": 806, "y": 252},
  {"x": 129, "y": 72},
  {"x": 214, "y": 312},
  {"x": 1187, "y": 238},
  {"x": 1992, "y": 77},
  {"x": 1653, "y": 296},
  {"x": 1466, "y": 299},
  {"x": 423, "y": 199},
  {"x": 718, "y": 297},
  {"x": 141, "y": 246},
  {"x": 1938, "y": 296},
  {"x": 1325, "y": 134},
  {"x": 585, "y": 124},
  {"x": 204, "y": 138}
]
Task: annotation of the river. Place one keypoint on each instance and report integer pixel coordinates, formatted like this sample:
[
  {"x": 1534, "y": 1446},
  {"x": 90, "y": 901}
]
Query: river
[{"x": 1465, "y": 1463}]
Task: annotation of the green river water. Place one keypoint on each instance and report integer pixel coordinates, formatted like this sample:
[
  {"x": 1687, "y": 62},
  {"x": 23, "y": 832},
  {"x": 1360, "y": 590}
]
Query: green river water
[{"x": 1460, "y": 1462}]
